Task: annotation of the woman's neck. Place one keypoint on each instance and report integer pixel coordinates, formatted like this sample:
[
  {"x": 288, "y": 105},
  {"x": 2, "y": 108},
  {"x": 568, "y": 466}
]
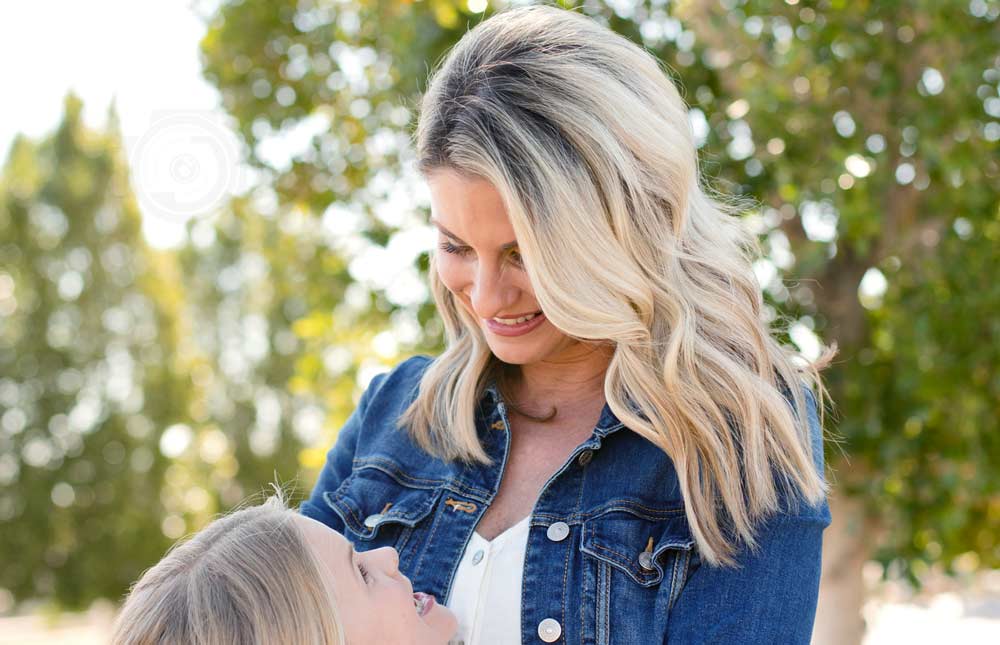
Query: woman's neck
[{"x": 567, "y": 384}]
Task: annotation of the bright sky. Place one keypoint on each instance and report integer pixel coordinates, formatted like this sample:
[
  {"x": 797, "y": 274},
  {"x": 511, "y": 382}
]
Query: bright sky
[
  {"x": 183, "y": 155},
  {"x": 144, "y": 53}
]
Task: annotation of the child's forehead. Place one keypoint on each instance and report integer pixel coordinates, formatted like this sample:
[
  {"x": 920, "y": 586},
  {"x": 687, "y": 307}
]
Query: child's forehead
[{"x": 316, "y": 531}]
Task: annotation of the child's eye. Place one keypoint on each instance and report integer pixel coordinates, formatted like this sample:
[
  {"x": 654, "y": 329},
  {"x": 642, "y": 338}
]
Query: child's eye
[{"x": 364, "y": 572}]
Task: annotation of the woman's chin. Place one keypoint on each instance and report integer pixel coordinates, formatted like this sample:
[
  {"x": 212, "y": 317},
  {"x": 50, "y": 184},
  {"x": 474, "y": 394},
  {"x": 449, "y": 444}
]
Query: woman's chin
[{"x": 514, "y": 351}]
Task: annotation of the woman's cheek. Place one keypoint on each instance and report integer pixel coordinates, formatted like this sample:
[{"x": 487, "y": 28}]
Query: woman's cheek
[{"x": 450, "y": 271}]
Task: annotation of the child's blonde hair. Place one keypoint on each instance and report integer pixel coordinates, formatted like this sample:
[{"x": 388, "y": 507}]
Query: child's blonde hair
[{"x": 247, "y": 578}]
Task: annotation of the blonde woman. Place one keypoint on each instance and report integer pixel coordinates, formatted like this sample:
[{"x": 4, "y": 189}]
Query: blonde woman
[
  {"x": 266, "y": 575},
  {"x": 613, "y": 448}
]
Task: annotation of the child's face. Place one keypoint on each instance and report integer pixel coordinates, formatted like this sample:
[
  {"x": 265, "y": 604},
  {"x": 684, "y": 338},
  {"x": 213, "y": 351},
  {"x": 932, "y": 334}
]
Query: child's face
[{"x": 375, "y": 601}]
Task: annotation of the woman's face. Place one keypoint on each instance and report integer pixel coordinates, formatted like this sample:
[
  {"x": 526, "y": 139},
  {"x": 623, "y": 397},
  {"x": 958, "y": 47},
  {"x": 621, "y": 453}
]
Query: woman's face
[
  {"x": 375, "y": 601},
  {"x": 479, "y": 262}
]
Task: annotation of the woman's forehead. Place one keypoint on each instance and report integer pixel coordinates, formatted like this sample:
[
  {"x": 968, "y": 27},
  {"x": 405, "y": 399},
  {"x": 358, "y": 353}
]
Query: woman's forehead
[
  {"x": 471, "y": 210},
  {"x": 454, "y": 195}
]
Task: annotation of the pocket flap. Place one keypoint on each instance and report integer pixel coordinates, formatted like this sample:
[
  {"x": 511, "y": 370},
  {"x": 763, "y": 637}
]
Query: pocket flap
[
  {"x": 370, "y": 498},
  {"x": 620, "y": 537}
]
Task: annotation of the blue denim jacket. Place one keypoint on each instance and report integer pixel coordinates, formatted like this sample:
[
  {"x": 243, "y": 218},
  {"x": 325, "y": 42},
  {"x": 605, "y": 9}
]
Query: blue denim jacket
[{"x": 591, "y": 584}]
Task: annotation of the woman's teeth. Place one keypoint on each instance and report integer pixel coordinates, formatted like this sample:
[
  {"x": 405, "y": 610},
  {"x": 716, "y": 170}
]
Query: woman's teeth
[{"x": 516, "y": 321}]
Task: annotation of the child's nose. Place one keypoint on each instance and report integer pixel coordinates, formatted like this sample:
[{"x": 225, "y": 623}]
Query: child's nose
[{"x": 386, "y": 558}]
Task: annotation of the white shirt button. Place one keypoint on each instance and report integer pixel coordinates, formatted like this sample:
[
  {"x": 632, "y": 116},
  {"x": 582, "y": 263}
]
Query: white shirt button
[
  {"x": 557, "y": 531},
  {"x": 372, "y": 520},
  {"x": 477, "y": 557},
  {"x": 549, "y": 630}
]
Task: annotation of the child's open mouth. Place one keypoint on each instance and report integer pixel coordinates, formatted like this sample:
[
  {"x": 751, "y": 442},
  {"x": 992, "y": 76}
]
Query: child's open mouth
[{"x": 424, "y": 603}]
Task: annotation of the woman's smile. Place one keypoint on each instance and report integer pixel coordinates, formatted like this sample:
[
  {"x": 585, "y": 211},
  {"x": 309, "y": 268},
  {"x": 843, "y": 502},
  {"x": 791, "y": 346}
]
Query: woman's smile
[{"x": 516, "y": 326}]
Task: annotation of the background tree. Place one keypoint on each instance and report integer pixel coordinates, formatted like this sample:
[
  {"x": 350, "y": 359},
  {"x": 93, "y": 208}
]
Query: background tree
[
  {"x": 869, "y": 133},
  {"x": 88, "y": 377},
  {"x": 143, "y": 391},
  {"x": 260, "y": 290}
]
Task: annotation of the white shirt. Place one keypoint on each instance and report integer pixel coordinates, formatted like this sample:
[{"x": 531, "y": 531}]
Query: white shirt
[{"x": 486, "y": 595}]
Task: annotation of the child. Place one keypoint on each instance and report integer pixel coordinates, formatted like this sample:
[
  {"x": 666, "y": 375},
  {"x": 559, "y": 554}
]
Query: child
[{"x": 267, "y": 575}]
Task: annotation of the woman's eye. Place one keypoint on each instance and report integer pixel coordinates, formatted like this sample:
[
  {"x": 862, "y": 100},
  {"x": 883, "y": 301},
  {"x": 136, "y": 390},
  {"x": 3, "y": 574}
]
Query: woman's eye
[
  {"x": 448, "y": 247},
  {"x": 364, "y": 573}
]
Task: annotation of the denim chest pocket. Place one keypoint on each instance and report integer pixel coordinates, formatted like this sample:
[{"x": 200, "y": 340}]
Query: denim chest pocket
[
  {"x": 637, "y": 563},
  {"x": 381, "y": 507}
]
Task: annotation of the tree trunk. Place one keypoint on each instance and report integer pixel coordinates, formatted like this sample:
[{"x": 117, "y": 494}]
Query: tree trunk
[{"x": 846, "y": 547}]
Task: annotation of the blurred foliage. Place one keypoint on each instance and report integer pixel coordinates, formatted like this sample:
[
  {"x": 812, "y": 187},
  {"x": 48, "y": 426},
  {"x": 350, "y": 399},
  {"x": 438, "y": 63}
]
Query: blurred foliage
[
  {"x": 88, "y": 378},
  {"x": 142, "y": 391},
  {"x": 869, "y": 132}
]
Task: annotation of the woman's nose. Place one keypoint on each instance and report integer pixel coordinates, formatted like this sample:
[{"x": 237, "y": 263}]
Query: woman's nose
[{"x": 490, "y": 293}]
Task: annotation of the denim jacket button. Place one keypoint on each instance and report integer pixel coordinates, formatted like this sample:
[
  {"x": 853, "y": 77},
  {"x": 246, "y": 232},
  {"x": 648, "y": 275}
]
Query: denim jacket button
[
  {"x": 557, "y": 531},
  {"x": 549, "y": 630},
  {"x": 372, "y": 520},
  {"x": 585, "y": 457},
  {"x": 646, "y": 560}
]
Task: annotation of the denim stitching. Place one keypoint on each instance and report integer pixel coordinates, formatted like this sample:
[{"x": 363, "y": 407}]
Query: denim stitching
[
  {"x": 654, "y": 514},
  {"x": 673, "y": 580},
  {"x": 609, "y": 550},
  {"x": 403, "y": 539},
  {"x": 607, "y": 602},
  {"x": 579, "y": 503},
  {"x": 460, "y": 487},
  {"x": 334, "y": 501},
  {"x": 430, "y": 538},
  {"x": 603, "y": 617},
  {"x": 683, "y": 578},
  {"x": 565, "y": 586},
  {"x": 392, "y": 469}
]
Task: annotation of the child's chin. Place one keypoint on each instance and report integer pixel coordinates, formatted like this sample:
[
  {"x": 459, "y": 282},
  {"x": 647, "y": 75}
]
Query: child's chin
[{"x": 442, "y": 620}]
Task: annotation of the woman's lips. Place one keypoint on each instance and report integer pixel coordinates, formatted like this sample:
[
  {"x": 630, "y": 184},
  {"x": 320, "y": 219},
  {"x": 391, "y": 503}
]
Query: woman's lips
[{"x": 501, "y": 329}]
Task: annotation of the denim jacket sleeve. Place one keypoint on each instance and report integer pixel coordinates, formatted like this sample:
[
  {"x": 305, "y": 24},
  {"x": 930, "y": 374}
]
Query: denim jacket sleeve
[
  {"x": 771, "y": 597},
  {"x": 339, "y": 461}
]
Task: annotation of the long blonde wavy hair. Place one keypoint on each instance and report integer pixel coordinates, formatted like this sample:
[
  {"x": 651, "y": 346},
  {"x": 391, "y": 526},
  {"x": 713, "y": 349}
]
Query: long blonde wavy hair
[
  {"x": 588, "y": 142},
  {"x": 247, "y": 577}
]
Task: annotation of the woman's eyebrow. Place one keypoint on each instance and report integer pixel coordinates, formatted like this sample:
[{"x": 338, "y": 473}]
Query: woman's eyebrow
[{"x": 508, "y": 245}]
